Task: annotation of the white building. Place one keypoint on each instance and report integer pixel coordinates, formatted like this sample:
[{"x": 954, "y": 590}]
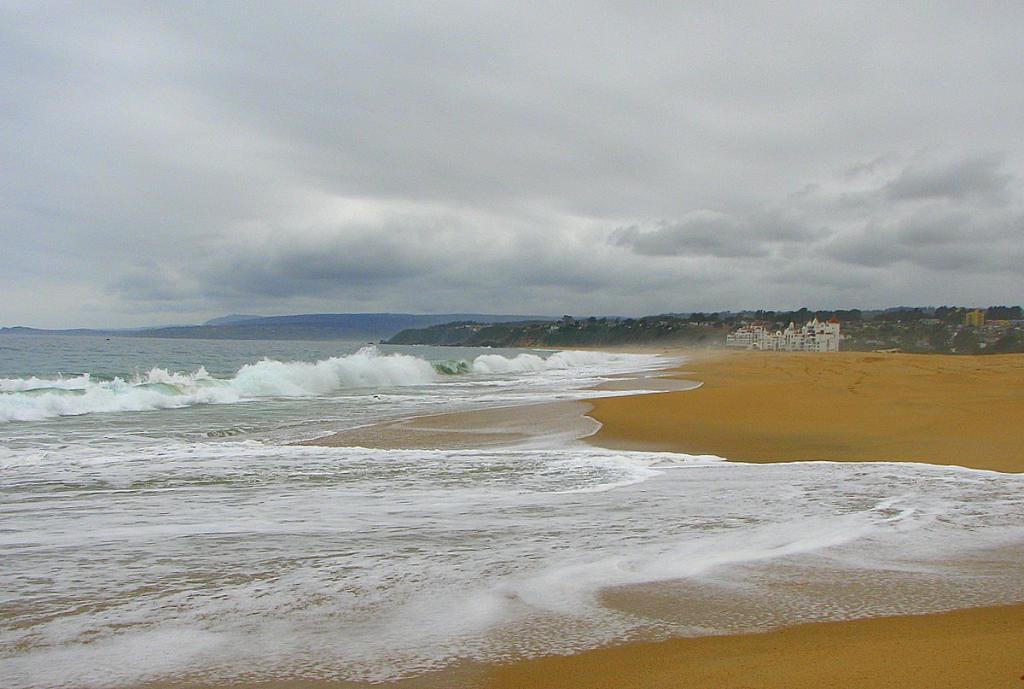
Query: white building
[{"x": 814, "y": 336}]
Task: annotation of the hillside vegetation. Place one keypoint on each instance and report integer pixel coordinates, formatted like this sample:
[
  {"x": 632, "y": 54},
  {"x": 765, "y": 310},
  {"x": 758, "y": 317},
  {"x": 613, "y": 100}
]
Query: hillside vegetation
[{"x": 568, "y": 332}]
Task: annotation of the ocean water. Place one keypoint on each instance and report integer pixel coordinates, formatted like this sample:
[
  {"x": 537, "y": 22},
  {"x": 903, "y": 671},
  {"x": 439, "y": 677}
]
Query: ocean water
[{"x": 156, "y": 523}]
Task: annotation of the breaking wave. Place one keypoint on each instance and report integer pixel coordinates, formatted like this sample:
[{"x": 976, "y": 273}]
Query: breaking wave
[
  {"x": 33, "y": 399},
  {"x": 523, "y": 363}
]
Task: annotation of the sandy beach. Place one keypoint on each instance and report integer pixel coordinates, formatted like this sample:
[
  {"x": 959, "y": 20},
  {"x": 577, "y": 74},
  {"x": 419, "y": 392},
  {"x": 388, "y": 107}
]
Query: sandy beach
[
  {"x": 760, "y": 407},
  {"x": 779, "y": 407},
  {"x": 766, "y": 407},
  {"x": 846, "y": 406}
]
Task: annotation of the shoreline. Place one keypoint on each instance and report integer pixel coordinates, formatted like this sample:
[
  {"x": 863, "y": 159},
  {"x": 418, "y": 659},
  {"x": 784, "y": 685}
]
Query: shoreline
[
  {"x": 553, "y": 423},
  {"x": 970, "y": 647},
  {"x": 492, "y": 427},
  {"x": 978, "y": 647}
]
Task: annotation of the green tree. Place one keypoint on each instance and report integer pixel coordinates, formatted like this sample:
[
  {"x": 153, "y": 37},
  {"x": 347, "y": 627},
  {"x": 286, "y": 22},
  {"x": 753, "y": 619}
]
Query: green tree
[
  {"x": 1009, "y": 343},
  {"x": 966, "y": 342},
  {"x": 938, "y": 339}
]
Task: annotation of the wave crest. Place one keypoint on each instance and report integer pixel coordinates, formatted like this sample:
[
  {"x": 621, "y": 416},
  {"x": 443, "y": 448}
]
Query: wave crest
[
  {"x": 523, "y": 363},
  {"x": 367, "y": 368},
  {"x": 34, "y": 399}
]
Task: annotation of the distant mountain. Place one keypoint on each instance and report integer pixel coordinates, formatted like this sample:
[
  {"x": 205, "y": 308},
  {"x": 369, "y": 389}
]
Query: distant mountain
[
  {"x": 323, "y": 326},
  {"x": 568, "y": 332},
  {"x": 313, "y": 326},
  {"x": 22, "y": 330},
  {"x": 232, "y": 318}
]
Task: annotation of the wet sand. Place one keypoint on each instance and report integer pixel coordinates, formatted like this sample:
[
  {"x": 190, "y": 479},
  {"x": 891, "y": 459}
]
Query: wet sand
[
  {"x": 547, "y": 424},
  {"x": 846, "y": 406},
  {"x": 552, "y": 422},
  {"x": 966, "y": 649}
]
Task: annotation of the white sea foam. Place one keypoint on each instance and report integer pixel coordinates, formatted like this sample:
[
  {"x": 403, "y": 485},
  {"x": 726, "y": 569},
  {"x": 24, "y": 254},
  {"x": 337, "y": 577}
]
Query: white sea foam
[
  {"x": 71, "y": 397},
  {"x": 369, "y": 565},
  {"x": 367, "y": 368},
  {"x": 33, "y": 398},
  {"x": 497, "y": 364}
]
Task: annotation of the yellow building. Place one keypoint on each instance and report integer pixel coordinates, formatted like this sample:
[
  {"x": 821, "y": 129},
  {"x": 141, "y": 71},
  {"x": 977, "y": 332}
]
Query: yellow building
[{"x": 975, "y": 318}]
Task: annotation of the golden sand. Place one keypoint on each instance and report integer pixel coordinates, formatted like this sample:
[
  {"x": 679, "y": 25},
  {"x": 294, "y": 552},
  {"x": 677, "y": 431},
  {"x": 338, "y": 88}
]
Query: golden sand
[
  {"x": 848, "y": 406},
  {"x": 965, "y": 649}
]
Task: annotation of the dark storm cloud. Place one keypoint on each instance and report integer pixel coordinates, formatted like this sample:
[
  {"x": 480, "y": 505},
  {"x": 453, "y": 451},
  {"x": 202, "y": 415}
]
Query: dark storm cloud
[
  {"x": 955, "y": 180},
  {"x": 950, "y": 241},
  {"x": 950, "y": 216},
  {"x": 286, "y": 267},
  {"x": 701, "y": 234},
  {"x": 707, "y": 233},
  {"x": 172, "y": 162},
  {"x": 953, "y": 216}
]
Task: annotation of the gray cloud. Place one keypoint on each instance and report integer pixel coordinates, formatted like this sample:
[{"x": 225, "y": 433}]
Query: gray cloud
[
  {"x": 170, "y": 163},
  {"x": 955, "y": 216},
  {"x": 714, "y": 234},
  {"x": 699, "y": 234},
  {"x": 954, "y": 180},
  {"x": 285, "y": 267},
  {"x": 946, "y": 242}
]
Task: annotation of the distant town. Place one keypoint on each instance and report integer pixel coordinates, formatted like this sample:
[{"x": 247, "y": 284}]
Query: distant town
[
  {"x": 936, "y": 330},
  {"x": 814, "y": 336}
]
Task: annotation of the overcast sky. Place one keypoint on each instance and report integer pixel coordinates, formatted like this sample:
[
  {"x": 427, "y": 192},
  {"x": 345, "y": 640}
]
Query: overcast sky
[{"x": 166, "y": 162}]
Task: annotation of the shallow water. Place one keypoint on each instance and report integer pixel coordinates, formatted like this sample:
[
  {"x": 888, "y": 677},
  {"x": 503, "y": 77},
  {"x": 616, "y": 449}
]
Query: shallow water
[{"x": 136, "y": 546}]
